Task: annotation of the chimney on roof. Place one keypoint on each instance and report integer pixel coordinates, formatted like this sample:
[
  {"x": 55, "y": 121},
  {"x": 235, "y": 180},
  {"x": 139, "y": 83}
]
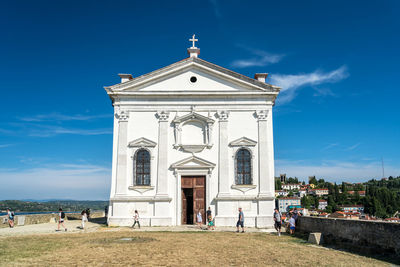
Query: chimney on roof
[
  {"x": 125, "y": 77},
  {"x": 261, "y": 77}
]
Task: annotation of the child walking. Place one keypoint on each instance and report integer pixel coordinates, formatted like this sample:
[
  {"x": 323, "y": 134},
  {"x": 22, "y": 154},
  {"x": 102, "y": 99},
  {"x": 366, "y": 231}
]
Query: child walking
[
  {"x": 136, "y": 220},
  {"x": 199, "y": 219}
]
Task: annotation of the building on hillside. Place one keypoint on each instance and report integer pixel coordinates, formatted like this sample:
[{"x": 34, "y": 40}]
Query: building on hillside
[
  {"x": 352, "y": 208},
  {"x": 360, "y": 193},
  {"x": 310, "y": 186},
  {"x": 322, "y": 203},
  {"x": 301, "y": 193},
  {"x": 281, "y": 193},
  {"x": 394, "y": 219},
  {"x": 345, "y": 215},
  {"x": 286, "y": 203},
  {"x": 188, "y": 136},
  {"x": 291, "y": 186},
  {"x": 319, "y": 192}
]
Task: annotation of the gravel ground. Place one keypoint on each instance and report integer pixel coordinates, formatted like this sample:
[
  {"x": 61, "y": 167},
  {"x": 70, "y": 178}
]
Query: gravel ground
[{"x": 73, "y": 227}]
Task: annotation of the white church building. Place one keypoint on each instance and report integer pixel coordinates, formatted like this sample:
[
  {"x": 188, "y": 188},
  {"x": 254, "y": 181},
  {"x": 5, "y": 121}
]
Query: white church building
[{"x": 189, "y": 136}]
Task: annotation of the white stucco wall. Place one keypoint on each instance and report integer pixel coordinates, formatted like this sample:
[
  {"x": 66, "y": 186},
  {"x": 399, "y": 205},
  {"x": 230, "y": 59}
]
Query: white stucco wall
[{"x": 140, "y": 120}]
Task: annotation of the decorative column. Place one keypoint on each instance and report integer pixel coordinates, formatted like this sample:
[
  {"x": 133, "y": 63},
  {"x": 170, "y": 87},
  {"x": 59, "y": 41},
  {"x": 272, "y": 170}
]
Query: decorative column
[
  {"x": 162, "y": 162},
  {"x": 223, "y": 159},
  {"x": 121, "y": 175},
  {"x": 264, "y": 185}
]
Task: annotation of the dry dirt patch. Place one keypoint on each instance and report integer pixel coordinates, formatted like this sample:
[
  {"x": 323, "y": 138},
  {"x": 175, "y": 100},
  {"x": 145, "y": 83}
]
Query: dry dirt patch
[{"x": 127, "y": 247}]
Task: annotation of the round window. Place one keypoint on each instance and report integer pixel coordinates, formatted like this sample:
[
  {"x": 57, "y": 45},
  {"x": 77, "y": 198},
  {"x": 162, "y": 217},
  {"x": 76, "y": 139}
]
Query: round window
[{"x": 193, "y": 79}]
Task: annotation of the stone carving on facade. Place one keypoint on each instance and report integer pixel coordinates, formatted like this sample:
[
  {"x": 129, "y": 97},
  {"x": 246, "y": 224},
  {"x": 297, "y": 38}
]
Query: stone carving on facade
[
  {"x": 201, "y": 137},
  {"x": 223, "y": 115},
  {"x": 163, "y": 115},
  {"x": 122, "y": 115},
  {"x": 262, "y": 114}
]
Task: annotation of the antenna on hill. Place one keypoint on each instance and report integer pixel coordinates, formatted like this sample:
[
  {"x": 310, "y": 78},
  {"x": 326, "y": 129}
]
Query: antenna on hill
[{"x": 383, "y": 169}]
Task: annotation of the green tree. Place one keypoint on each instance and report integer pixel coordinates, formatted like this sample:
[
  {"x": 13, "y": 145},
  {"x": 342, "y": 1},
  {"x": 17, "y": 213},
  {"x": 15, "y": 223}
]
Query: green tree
[
  {"x": 278, "y": 184},
  {"x": 336, "y": 190},
  {"x": 316, "y": 202},
  {"x": 305, "y": 202},
  {"x": 312, "y": 180},
  {"x": 344, "y": 189},
  {"x": 356, "y": 198},
  {"x": 379, "y": 210}
]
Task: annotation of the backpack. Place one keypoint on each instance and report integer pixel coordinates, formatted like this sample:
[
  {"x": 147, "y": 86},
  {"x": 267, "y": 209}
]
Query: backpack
[{"x": 62, "y": 215}]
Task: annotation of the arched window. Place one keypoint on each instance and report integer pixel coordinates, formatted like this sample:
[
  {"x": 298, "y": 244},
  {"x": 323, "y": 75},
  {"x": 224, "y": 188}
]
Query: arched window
[
  {"x": 142, "y": 167},
  {"x": 243, "y": 167}
]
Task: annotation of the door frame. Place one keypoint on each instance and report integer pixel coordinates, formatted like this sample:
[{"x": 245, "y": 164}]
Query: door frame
[
  {"x": 206, "y": 172},
  {"x": 193, "y": 189}
]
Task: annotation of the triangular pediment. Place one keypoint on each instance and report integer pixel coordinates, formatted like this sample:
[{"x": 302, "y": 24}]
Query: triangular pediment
[
  {"x": 142, "y": 142},
  {"x": 177, "y": 78},
  {"x": 192, "y": 162},
  {"x": 243, "y": 141},
  {"x": 193, "y": 115}
]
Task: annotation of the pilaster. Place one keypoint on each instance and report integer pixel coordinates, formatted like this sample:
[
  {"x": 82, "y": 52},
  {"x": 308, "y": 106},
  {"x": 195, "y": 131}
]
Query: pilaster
[
  {"x": 121, "y": 175},
  {"x": 162, "y": 162},
  {"x": 223, "y": 159},
  {"x": 263, "y": 155}
]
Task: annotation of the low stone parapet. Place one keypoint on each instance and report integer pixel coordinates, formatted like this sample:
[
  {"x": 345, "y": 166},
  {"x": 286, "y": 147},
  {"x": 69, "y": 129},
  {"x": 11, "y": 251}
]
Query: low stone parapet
[
  {"x": 365, "y": 236},
  {"x": 21, "y": 220}
]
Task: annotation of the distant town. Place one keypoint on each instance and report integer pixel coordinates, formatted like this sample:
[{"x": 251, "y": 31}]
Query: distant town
[{"x": 372, "y": 200}]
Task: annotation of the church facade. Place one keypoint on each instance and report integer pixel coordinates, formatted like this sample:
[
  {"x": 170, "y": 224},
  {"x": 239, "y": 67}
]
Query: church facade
[{"x": 190, "y": 136}]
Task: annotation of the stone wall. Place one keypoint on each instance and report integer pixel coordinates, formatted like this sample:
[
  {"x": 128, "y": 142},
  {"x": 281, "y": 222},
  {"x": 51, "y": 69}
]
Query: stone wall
[
  {"x": 357, "y": 235},
  {"x": 21, "y": 220}
]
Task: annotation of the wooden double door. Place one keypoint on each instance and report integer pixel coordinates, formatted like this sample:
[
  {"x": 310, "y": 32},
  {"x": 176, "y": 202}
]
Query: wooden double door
[{"x": 193, "y": 190}]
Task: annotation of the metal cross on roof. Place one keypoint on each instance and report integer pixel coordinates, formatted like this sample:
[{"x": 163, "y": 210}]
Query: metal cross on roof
[{"x": 193, "y": 40}]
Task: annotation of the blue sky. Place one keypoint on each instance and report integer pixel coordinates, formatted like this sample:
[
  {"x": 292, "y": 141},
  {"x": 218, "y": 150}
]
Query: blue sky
[{"x": 337, "y": 62}]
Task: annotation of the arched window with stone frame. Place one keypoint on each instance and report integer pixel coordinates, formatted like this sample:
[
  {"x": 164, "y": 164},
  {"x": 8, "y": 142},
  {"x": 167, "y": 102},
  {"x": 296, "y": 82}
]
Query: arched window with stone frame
[
  {"x": 243, "y": 164},
  {"x": 142, "y": 167}
]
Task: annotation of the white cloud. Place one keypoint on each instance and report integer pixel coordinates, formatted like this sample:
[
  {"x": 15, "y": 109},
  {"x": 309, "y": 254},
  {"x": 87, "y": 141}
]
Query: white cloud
[
  {"x": 260, "y": 58},
  {"x": 291, "y": 83},
  {"x": 335, "y": 171},
  {"x": 48, "y": 131},
  {"x": 72, "y": 181},
  {"x": 353, "y": 147},
  {"x": 62, "y": 117},
  {"x": 5, "y": 145},
  {"x": 215, "y": 6},
  {"x": 330, "y": 146}
]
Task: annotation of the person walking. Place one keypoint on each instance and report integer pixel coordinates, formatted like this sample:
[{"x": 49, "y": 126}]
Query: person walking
[
  {"x": 61, "y": 218},
  {"x": 292, "y": 225},
  {"x": 240, "y": 221},
  {"x": 84, "y": 219},
  {"x": 199, "y": 218},
  {"x": 136, "y": 218},
  {"x": 10, "y": 217},
  {"x": 278, "y": 221}
]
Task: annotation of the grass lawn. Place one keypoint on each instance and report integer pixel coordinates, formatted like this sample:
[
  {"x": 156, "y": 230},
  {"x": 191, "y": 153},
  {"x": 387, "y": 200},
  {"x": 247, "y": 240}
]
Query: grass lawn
[{"x": 126, "y": 247}]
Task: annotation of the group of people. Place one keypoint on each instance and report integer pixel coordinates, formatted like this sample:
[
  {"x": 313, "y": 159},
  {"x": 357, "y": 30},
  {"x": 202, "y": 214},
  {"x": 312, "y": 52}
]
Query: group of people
[
  {"x": 210, "y": 219},
  {"x": 199, "y": 220},
  {"x": 61, "y": 218},
  {"x": 290, "y": 223}
]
